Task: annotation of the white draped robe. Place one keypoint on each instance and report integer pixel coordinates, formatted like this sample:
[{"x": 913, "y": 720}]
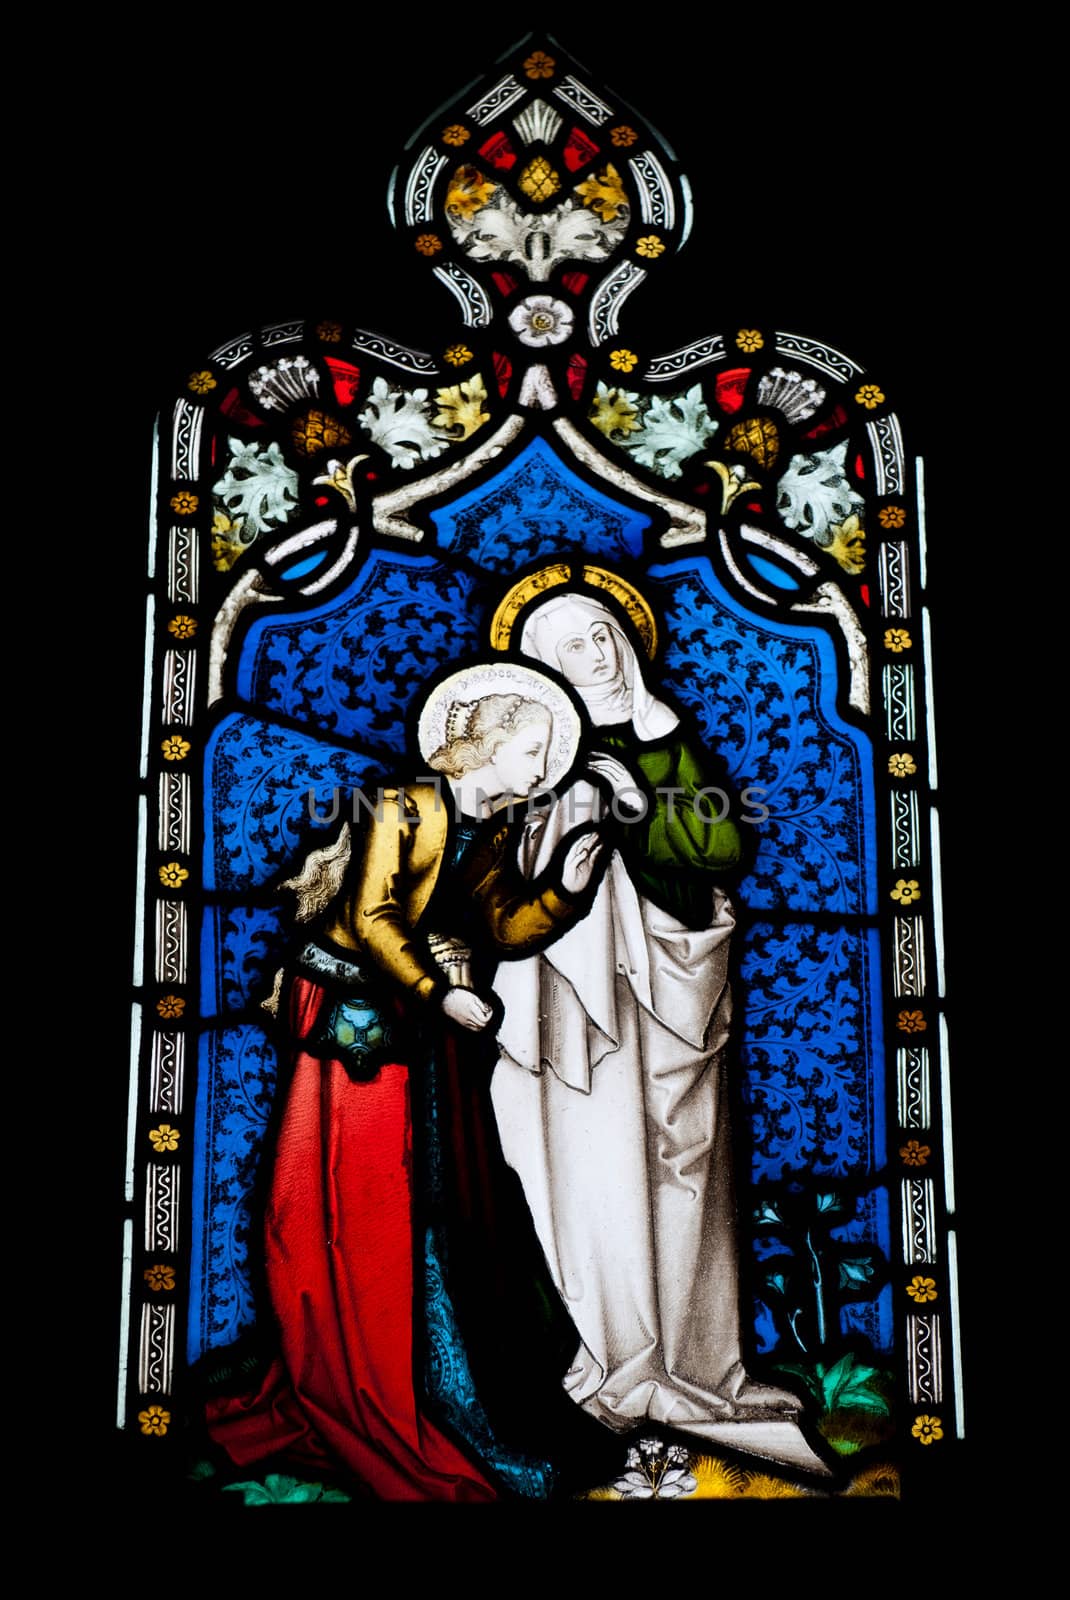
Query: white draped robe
[{"x": 611, "y": 1103}]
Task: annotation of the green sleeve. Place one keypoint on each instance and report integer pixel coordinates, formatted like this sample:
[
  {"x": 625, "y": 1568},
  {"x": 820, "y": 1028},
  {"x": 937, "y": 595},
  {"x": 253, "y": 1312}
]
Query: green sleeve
[{"x": 681, "y": 831}]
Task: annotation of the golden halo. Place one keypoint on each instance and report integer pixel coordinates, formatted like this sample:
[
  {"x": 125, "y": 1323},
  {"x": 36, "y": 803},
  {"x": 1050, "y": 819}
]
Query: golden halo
[
  {"x": 501, "y": 627},
  {"x": 626, "y": 595}
]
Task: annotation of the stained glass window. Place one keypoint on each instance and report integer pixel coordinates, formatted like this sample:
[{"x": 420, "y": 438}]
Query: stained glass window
[{"x": 539, "y": 1066}]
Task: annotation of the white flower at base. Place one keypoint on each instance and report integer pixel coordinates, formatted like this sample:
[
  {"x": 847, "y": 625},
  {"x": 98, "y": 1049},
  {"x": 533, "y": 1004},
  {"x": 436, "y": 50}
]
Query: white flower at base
[{"x": 541, "y": 320}]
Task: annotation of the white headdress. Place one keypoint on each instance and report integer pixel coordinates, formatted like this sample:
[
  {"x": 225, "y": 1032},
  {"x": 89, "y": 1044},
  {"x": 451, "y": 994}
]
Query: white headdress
[{"x": 627, "y": 697}]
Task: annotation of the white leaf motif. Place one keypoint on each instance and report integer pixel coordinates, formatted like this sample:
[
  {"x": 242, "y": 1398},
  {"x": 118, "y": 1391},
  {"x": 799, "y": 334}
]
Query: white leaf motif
[
  {"x": 399, "y": 421},
  {"x": 676, "y": 1482},
  {"x": 813, "y": 494},
  {"x": 635, "y": 1486},
  {"x": 500, "y": 231},
  {"x": 258, "y": 487},
  {"x": 673, "y": 429}
]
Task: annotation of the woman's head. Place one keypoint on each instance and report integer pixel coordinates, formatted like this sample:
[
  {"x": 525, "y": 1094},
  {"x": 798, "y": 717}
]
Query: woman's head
[
  {"x": 589, "y": 656},
  {"x": 581, "y": 638},
  {"x": 507, "y": 732}
]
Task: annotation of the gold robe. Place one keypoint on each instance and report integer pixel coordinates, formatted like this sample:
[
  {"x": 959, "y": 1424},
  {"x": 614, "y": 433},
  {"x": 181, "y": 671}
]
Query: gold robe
[{"x": 404, "y": 846}]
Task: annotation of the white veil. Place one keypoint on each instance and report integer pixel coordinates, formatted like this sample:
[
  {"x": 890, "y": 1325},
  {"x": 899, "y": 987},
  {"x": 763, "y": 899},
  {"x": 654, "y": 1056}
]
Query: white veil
[{"x": 627, "y": 696}]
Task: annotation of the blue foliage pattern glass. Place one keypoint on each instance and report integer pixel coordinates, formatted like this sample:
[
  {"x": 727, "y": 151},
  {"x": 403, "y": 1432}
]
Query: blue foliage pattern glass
[
  {"x": 258, "y": 817},
  {"x": 764, "y": 696},
  {"x": 241, "y": 948},
  {"x": 236, "y": 1084},
  {"x": 352, "y": 666},
  {"x": 537, "y": 506},
  {"x": 810, "y": 1051}
]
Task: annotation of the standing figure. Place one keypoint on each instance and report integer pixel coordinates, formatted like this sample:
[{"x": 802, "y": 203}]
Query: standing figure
[
  {"x": 611, "y": 1094},
  {"x": 396, "y": 1263}
]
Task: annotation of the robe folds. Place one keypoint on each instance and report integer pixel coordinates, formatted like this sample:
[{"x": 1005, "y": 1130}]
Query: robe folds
[
  {"x": 339, "y": 1251},
  {"x": 405, "y": 1282},
  {"x": 612, "y": 1105}
]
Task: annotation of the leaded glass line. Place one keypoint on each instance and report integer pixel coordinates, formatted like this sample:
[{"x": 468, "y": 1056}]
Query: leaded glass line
[
  {"x": 146, "y": 688},
  {"x": 139, "y": 904},
  {"x": 124, "y": 1321},
  {"x": 938, "y": 897},
  {"x": 919, "y": 478},
  {"x": 956, "y": 1335},
  {"x": 945, "y": 1114},
  {"x": 131, "y": 1098},
  {"x": 930, "y": 719}
]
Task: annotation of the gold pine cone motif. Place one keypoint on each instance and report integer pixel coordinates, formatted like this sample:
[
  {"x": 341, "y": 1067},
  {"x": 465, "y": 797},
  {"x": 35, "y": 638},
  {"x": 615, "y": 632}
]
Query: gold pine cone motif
[
  {"x": 317, "y": 430},
  {"x": 539, "y": 180},
  {"x": 756, "y": 437}
]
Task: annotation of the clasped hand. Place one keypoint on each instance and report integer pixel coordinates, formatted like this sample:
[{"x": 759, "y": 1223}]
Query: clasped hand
[{"x": 464, "y": 1007}]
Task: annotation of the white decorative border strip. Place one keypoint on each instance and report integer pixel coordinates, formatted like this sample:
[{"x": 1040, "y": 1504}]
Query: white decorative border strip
[
  {"x": 830, "y": 361},
  {"x": 156, "y": 1349},
  {"x": 919, "y": 1241},
  {"x": 470, "y": 295},
  {"x": 172, "y": 941},
  {"x": 699, "y": 354},
  {"x": 398, "y": 355},
  {"x": 186, "y": 440},
  {"x": 924, "y": 1357},
  {"x": 421, "y": 182},
  {"x": 168, "y": 1072},
  {"x": 234, "y": 352},
  {"x": 584, "y": 101},
  {"x": 162, "y": 1188},
  {"x": 912, "y": 1074},
  {"x": 283, "y": 332},
  {"x": 496, "y": 100}
]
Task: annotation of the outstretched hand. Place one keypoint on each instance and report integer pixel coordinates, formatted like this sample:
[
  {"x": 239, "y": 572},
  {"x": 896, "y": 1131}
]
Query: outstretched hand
[
  {"x": 614, "y": 772},
  {"x": 465, "y": 1007},
  {"x": 629, "y": 803},
  {"x": 581, "y": 858}
]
